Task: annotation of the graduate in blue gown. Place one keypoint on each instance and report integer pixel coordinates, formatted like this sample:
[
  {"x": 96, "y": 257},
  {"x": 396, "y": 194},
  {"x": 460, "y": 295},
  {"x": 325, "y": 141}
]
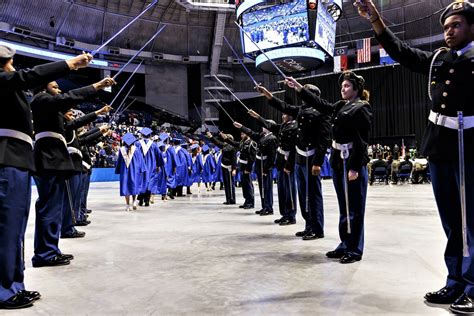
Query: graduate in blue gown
[
  {"x": 169, "y": 156},
  {"x": 158, "y": 179},
  {"x": 153, "y": 160},
  {"x": 196, "y": 167},
  {"x": 209, "y": 167},
  {"x": 130, "y": 166},
  {"x": 181, "y": 166},
  {"x": 218, "y": 172}
]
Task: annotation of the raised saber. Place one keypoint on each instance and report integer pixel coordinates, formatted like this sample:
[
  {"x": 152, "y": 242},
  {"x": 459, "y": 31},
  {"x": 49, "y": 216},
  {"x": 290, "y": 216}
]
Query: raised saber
[
  {"x": 232, "y": 93},
  {"x": 462, "y": 184},
  {"x": 218, "y": 103},
  {"x": 121, "y": 104},
  {"x": 261, "y": 50},
  {"x": 240, "y": 61},
  {"x": 202, "y": 120},
  {"x": 126, "y": 82},
  {"x": 124, "y": 28},
  {"x": 138, "y": 52}
]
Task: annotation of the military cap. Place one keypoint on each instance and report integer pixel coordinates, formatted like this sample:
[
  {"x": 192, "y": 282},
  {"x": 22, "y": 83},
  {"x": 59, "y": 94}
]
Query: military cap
[
  {"x": 357, "y": 81},
  {"x": 314, "y": 89},
  {"x": 129, "y": 139},
  {"x": 6, "y": 52},
  {"x": 458, "y": 7}
]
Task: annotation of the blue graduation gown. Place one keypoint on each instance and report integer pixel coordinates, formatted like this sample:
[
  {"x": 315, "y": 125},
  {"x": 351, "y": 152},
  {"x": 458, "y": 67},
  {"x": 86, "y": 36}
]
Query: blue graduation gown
[
  {"x": 170, "y": 166},
  {"x": 208, "y": 169},
  {"x": 130, "y": 166},
  {"x": 152, "y": 159},
  {"x": 181, "y": 166},
  {"x": 196, "y": 170},
  {"x": 218, "y": 172}
]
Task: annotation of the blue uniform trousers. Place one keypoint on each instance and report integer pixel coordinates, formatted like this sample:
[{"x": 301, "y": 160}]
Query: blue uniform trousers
[
  {"x": 49, "y": 215},
  {"x": 86, "y": 180},
  {"x": 287, "y": 194},
  {"x": 354, "y": 242},
  {"x": 445, "y": 180},
  {"x": 229, "y": 185},
  {"x": 15, "y": 198},
  {"x": 75, "y": 185},
  {"x": 311, "y": 196},
  {"x": 247, "y": 189},
  {"x": 265, "y": 187}
]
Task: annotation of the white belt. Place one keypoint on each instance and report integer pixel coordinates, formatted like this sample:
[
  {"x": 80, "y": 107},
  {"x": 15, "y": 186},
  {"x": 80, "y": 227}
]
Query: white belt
[
  {"x": 261, "y": 157},
  {"x": 73, "y": 150},
  {"x": 4, "y": 132},
  {"x": 244, "y": 162},
  {"x": 344, "y": 148},
  {"x": 450, "y": 121},
  {"x": 50, "y": 135},
  {"x": 85, "y": 164},
  {"x": 305, "y": 153},
  {"x": 226, "y": 167},
  {"x": 283, "y": 152}
]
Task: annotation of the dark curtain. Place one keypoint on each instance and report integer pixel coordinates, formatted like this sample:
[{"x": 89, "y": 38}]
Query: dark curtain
[{"x": 399, "y": 102}]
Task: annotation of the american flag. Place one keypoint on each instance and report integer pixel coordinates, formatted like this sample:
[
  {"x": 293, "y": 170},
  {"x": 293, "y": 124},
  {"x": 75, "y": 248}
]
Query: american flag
[{"x": 363, "y": 51}]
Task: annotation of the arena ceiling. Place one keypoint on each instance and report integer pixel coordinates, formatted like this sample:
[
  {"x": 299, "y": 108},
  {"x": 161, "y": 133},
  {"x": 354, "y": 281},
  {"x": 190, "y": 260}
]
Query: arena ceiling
[{"x": 191, "y": 32}]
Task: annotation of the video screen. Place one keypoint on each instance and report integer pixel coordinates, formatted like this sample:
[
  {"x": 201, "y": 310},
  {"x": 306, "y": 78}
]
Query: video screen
[
  {"x": 325, "y": 35},
  {"x": 276, "y": 26}
]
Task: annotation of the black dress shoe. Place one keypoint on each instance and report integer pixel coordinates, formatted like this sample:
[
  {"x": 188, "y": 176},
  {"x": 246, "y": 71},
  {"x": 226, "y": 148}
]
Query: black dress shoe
[
  {"x": 33, "y": 295},
  {"x": 446, "y": 295},
  {"x": 55, "y": 261},
  {"x": 147, "y": 204},
  {"x": 463, "y": 305},
  {"x": 277, "y": 221},
  {"x": 88, "y": 211},
  {"x": 140, "y": 203},
  {"x": 248, "y": 207},
  {"x": 287, "y": 222},
  {"x": 258, "y": 212},
  {"x": 335, "y": 254},
  {"x": 17, "y": 301},
  {"x": 350, "y": 258},
  {"x": 76, "y": 234},
  {"x": 266, "y": 213},
  {"x": 66, "y": 256},
  {"x": 82, "y": 223},
  {"x": 312, "y": 236},
  {"x": 242, "y": 206},
  {"x": 302, "y": 233}
]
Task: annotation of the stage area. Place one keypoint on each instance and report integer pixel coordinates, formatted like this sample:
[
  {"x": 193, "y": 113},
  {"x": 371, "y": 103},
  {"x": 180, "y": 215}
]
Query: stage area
[{"x": 196, "y": 256}]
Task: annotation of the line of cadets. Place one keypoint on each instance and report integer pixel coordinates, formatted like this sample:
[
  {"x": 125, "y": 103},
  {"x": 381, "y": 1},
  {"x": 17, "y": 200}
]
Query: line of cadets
[{"x": 296, "y": 148}]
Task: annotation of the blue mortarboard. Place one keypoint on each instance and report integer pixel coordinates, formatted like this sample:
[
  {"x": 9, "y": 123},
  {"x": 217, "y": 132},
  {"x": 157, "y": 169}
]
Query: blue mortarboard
[
  {"x": 194, "y": 146},
  {"x": 129, "y": 139},
  {"x": 205, "y": 148},
  {"x": 164, "y": 136},
  {"x": 146, "y": 131},
  {"x": 184, "y": 144}
]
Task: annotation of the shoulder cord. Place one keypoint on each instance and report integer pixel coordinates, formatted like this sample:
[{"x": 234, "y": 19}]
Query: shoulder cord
[{"x": 431, "y": 69}]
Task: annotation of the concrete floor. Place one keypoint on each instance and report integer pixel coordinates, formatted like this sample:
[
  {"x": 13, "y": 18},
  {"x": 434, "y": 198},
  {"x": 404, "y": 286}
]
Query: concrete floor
[{"x": 195, "y": 256}]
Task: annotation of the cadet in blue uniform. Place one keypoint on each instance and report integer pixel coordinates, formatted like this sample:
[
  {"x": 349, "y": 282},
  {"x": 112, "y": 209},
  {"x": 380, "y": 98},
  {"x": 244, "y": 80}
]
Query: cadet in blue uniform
[
  {"x": 312, "y": 141},
  {"x": 451, "y": 83},
  {"x": 16, "y": 163},
  {"x": 285, "y": 165},
  {"x": 131, "y": 167},
  {"x": 265, "y": 160},
  {"x": 352, "y": 117},
  {"x": 228, "y": 167}
]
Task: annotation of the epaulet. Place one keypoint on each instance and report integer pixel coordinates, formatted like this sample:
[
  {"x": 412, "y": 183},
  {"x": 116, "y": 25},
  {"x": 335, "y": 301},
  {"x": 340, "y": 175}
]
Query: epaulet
[{"x": 442, "y": 49}]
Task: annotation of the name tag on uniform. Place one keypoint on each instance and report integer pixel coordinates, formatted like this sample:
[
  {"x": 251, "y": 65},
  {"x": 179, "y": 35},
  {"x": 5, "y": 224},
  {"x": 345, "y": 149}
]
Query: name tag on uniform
[{"x": 438, "y": 63}]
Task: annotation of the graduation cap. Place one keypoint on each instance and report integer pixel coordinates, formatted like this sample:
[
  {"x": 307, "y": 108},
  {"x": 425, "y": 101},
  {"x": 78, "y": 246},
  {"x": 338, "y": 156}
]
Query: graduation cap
[
  {"x": 184, "y": 144},
  {"x": 205, "y": 148},
  {"x": 129, "y": 139},
  {"x": 194, "y": 146},
  {"x": 146, "y": 131},
  {"x": 164, "y": 136},
  {"x": 6, "y": 52},
  {"x": 177, "y": 141}
]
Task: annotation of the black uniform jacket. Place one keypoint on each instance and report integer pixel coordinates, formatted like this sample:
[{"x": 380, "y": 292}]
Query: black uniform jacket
[
  {"x": 287, "y": 133},
  {"x": 267, "y": 146},
  {"x": 350, "y": 124},
  {"x": 229, "y": 153},
  {"x": 74, "y": 141},
  {"x": 313, "y": 130},
  {"x": 51, "y": 153},
  {"x": 16, "y": 112},
  {"x": 248, "y": 150},
  {"x": 452, "y": 90}
]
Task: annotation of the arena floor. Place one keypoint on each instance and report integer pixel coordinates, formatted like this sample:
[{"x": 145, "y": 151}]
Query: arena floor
[{"x": 195, "y": 256}]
